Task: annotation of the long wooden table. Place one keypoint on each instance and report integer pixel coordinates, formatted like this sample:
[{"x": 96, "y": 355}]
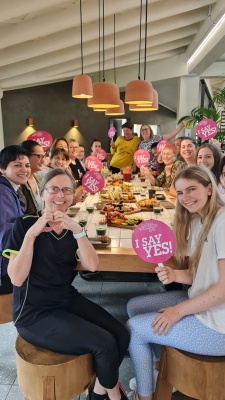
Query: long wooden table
[{"x": 120, "y": 256}]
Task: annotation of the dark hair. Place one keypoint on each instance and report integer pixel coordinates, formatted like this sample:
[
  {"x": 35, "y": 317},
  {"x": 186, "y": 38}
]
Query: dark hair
[
  {"x": 190, "y": 140},
  {"x": 128, "y": 125},
  {"x": 217, "y": 159},
  {"x": 61, "y": 152},
  {"x": 54, "y": 144},
  {"x": 52, "y": 174},
  {"x": 9, "y": 154},
  {"x": 95, "y": 140},
  {"x": 29, "y": 146},
  {"x": 155, "y": 144},
  {"x": 222, "y": 164}
]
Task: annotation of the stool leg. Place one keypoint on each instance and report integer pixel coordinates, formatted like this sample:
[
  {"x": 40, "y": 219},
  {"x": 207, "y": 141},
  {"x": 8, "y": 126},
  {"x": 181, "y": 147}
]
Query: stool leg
[
  {"x": 163, "y": 388},
  {"x": 48, "y": 387}
]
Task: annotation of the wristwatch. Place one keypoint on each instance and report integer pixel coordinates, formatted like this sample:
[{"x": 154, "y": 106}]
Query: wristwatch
[{"x": 80, "y": 234}]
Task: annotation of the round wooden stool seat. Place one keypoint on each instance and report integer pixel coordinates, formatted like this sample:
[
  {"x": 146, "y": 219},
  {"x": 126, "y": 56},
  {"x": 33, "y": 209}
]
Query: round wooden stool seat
[
  {"x": 201, "y": 377},
  {"x": 45, "y": 375},
  {"x": 5, "y": 308}
]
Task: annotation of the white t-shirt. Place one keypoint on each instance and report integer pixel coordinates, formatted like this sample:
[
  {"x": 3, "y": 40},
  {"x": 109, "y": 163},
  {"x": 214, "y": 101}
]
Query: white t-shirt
[{"x": 208, "y": 269}]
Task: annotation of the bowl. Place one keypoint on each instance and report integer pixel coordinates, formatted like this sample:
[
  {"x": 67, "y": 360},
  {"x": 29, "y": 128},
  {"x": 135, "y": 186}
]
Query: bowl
[{"x": 99, "y": 206}]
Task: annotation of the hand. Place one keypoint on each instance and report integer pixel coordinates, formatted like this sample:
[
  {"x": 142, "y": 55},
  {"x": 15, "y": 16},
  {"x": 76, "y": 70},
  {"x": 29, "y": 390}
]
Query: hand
[
  {"x": 112, "y": 144},
  {"x": 168, "y": 169},
  {"x": 182, "y": 125},
  {"x": 167, "y": 317},
  {"x": 65, "y": 222},
  {"x": 79, "y": 195},
  {"x": 40, "y": 225},
  {"x": 165, "y": 274}
]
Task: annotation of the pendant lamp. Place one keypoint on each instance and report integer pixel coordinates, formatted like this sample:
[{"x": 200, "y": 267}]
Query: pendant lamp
[
  {"x": 105, "y": 94},
  {"x": 82, "y": 84},
  {"x": 116, "y": 111},
  {"x": 140, "y": 91},
  {"x": 153, "y": 107}
]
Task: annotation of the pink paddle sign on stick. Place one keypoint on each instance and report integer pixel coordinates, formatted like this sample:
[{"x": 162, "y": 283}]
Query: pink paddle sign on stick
[
  {"x": 100, "y": 154},
  {"x": 206, "y": 129},
  {"x": 141, "y": 158},
  {"x": 44, "y": 139},
  {"x": 153, "y": 241},
  {"x": 161, "y": 145},
  {"x": 111, "y": 132},
  {"x": 93, "y": 181},
  {"x": 93, "y": 163}
]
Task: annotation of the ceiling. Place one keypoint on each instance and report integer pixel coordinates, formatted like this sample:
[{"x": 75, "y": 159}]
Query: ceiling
[{"x": 40, "y": 42}]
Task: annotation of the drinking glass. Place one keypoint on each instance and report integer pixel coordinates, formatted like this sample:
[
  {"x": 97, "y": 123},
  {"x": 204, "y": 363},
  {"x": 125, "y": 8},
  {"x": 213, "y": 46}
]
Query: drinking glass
[
  {"x": 83, "y": 216},
  {"x": 90, "y": 208},
  {"x": 100, "y": 229}
]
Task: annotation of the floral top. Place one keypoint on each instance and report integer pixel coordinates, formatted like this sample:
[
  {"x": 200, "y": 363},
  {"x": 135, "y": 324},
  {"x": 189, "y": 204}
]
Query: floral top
[
  {"x": 166, "y": 181},
  {"x": 147, "y": 145}
]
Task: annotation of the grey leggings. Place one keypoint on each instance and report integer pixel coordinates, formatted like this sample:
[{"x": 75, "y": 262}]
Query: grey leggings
[{"x": 188, "y": 334}]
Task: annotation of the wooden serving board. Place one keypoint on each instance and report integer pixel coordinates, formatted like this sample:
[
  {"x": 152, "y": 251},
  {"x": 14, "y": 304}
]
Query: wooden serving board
[
  {"x": 103, "y": 200},
  {"x": 122, "y": 226},
  {"x": 137, "y": 210},
  {"x": 149, "y": 209}
]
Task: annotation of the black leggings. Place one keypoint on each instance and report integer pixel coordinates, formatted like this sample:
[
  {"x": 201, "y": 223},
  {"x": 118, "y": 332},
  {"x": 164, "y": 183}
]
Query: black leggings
[{"x": 84, "y": 328}]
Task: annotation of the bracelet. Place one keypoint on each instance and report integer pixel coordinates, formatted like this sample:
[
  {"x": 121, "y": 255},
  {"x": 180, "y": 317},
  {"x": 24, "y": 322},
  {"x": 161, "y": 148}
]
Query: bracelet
[{"x": 80, "y": 234}]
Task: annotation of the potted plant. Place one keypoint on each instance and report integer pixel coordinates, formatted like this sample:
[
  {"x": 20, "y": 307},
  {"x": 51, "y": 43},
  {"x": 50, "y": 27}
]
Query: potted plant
[{"x": 216, "y": 111}]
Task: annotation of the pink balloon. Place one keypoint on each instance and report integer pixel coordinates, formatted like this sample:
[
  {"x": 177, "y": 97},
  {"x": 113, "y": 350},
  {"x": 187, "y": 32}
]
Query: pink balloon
[
  {"x": 44, "y": 139},
  {"x": 206, "y": 129},
  {"x": 100, "y": 154},
  {"x": 93, "y": 181},
  {"x": 153, "y": 241},
  {"x": 141, "y": 158},
  {"x": 93, "y": 163},
  {"x": 161, "y": 145}
]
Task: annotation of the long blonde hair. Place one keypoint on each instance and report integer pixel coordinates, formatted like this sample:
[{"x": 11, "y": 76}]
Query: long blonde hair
[{"x": 183, "y": 218}]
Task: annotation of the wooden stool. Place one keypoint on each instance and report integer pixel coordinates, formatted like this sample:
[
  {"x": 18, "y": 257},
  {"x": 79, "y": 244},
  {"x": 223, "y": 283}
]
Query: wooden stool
[
  {"x": 5, "y": 308},
  {"x": 44, "y": 375},
  {"x": 201, "y": 377}
]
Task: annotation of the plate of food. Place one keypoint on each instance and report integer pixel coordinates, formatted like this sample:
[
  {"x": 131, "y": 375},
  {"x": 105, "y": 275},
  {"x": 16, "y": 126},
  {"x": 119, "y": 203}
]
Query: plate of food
[
  {"x": 123, "y": 208},
  {"x": 103, "y": 241},
  {"x": 120, "y": 220},
  {"x": 147, "y": 204}
]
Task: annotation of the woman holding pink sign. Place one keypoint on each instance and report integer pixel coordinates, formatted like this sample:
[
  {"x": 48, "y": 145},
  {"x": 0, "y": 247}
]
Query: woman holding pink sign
[{"x": 182, "y": 319}]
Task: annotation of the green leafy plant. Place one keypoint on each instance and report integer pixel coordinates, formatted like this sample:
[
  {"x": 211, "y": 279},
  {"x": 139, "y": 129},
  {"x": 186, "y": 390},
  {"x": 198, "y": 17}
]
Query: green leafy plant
[{"x": 216, "y": 111}]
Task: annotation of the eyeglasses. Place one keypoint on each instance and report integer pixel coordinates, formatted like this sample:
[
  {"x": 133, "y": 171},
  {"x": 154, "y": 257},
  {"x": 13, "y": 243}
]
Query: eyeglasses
[
  {"x": 55, "y": 189},
  {"x": 39, "y": 156},
  {"x": 73, "y": 147}
]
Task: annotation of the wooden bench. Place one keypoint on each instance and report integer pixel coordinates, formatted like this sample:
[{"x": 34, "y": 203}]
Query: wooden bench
[
  {"x": 5, "y": 308},
  {"x": 45, "y": 375},
  {"x": 201, "y": 377}
]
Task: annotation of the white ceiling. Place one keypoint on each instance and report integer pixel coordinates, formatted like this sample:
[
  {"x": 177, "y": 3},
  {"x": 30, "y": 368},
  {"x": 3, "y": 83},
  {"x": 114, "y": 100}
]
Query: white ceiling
[{"x": 40, "y": 42}]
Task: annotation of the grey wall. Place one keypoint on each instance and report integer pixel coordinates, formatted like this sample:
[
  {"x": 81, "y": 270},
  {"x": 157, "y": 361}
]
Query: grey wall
[{"x": 53, "y": 110}]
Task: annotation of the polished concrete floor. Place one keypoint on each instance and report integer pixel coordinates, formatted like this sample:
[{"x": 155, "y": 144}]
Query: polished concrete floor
[{"x": 111, "y": 291}]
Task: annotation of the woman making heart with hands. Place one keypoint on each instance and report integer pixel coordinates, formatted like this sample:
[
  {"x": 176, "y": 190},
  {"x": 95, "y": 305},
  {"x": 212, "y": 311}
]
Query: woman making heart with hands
[{"x": 48, "y": 311}]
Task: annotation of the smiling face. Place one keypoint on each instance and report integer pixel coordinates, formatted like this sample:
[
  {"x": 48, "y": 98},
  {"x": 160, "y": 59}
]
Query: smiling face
[
  {"x": 128, "y": 133},
  {"x": 17, "y": 171},
  {"x": 58, "y": 201},
  {"x": 73, "y": 150},
  {"x": 58, "y": 161},
  {"x": 36, "y": 158},
  {"x": 61, "y": 144},
  {"x": 188, "y": 151},
  {"x": 205, "y": 157},
  {"x": 96, "y": 146},
  {"x": 193, "y": 195},
  {"x": 145, "y": 132},
  {"x": 168, "y": 155}
]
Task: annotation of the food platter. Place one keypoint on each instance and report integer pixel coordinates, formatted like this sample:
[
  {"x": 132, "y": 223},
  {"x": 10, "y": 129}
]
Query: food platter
[{"x": 124, "y": 209}]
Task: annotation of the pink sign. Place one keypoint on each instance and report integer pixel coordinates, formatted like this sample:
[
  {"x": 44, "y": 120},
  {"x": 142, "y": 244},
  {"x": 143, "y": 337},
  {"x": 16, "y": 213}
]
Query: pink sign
[
  {"x": 93, "y": 181},
  {"x": 153, "y": 241},
  {"x": 111, "y": 132},
  {"x": 141, "y": 158},
  {"x": 44, "y": 139},
  {"x": 161, "y": 145},
  {"x": 100, "y": 154},
  {"x": 93, "y": 163},
  {"x": 206, "y": 129}
]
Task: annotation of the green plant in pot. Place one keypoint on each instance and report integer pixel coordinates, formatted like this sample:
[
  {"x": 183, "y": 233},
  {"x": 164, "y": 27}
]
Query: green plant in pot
[{"x": 216, "y": 111}]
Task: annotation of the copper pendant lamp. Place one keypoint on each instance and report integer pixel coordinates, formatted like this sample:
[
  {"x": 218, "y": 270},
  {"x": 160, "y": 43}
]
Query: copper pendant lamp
[
  {"x": 116, "y": 111},
  {"x": 140, "y": 91},
  {"x": 82, "y": 84},
  {"x": 153, "y": 107},
  {"x": 105, "y": 94}
]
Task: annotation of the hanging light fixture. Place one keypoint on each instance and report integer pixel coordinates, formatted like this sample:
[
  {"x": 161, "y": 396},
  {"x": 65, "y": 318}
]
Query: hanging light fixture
[
  {"x": 145, "y": 107},
  {"x": 82, "y": 84},
  {"x": 140, "y": 91},
  {"x": 105, "y": 94},
  {"x": 117, "y": 110}
]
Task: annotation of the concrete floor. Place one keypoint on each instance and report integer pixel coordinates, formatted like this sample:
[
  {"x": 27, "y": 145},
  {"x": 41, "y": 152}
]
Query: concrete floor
[{"x": 104, "y": 290}]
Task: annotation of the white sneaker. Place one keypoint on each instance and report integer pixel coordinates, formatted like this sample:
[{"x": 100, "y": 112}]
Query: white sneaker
[{"x": 133, "y": 384}]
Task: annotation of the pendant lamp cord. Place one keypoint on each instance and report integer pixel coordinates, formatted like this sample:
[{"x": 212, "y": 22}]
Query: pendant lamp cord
[
  {"x": 103, "y": 40},
  {"x": 81, "y": 39},
  {"x": 146, "y": 24},
  {"x": 139, "y": 61},
  {"x": 114, "y": 44},
  {"x": 99, "y": 41}
]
